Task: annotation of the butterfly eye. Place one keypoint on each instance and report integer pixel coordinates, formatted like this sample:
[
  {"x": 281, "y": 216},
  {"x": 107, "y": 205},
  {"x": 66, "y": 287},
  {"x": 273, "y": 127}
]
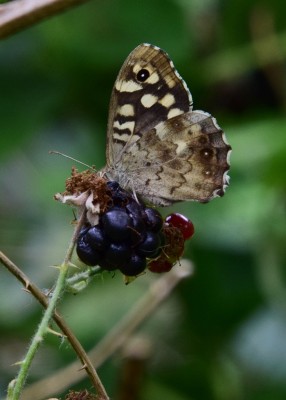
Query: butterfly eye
[{"x": 142, "y": 75}]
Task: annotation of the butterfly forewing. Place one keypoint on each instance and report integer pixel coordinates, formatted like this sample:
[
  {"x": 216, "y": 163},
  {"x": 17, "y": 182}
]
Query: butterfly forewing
[
  {"x": 156, "y": 145},
  {"x": 147, "y": 91}
]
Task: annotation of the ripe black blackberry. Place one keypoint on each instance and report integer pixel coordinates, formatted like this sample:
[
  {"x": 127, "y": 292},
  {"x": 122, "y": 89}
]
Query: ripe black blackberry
[{"x": 127, "y": 235}]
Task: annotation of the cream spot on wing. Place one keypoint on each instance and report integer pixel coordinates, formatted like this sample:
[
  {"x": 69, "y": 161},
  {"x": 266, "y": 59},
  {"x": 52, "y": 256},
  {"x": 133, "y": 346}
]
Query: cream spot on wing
[
  {"x": 223, "y": 134},
  {"x": 122, "y": 137},
  {"x": 137, "y": 68},
  {"x": 228, "y": 157},
  {"x": 148, "y": 100},
  {"x": 168, "y": 100},
  {"x": 153, "y": 78},
  {"x": 226, "y": 179},
  {"x": 125, "y": 137},
  {"x": 126, "y": 125},
  {"x": 127, "y": 110},
  {"x": 181, "y": 146},
  {"x": 174, "y": 112},
  {"x": 196, "y": 128},
  {"x": 170, "y": 81},
  {"x": 127, "y": 86},
  {"x": 160, "y": 131}
]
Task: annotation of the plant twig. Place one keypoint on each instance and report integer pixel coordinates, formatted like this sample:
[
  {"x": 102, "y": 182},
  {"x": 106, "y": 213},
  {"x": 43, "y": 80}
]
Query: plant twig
[
  {"x": 49, "y": 313},
  {"x": 19, "y": 14},
  {"x": 117, "y": 337}
]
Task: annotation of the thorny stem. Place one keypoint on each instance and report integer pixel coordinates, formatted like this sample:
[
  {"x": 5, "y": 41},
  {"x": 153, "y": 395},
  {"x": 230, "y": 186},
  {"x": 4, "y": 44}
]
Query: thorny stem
[
  {"x": 40, "y": 333},
  {"x": 14, "y": 392}
]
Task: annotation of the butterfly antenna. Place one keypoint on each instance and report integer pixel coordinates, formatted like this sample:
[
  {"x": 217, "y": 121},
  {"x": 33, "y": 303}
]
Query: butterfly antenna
[{"x": 71, "y": 158}]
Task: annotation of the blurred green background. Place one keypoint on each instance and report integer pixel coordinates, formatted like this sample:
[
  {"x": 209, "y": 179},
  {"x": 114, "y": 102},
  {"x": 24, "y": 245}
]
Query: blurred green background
[{"x": 222, "y": 333}]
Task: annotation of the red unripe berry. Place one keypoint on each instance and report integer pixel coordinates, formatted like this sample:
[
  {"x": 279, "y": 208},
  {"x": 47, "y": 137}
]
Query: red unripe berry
[
  {"x": 160, "y": 265},
  {"x": 183, "y": 223}
]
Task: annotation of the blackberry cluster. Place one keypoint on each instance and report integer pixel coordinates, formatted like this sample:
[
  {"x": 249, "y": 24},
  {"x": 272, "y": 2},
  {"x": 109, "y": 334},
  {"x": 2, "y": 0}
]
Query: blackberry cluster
[{"x": 127, "y": 236}]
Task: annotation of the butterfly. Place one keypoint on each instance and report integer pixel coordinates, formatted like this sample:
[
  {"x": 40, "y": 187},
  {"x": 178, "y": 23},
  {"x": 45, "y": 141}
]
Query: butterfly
[{"x": 157, "y": 146}]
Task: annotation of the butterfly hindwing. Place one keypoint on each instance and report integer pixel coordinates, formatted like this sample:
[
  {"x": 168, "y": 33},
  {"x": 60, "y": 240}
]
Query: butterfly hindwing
[{"x": 183, "y": 158}]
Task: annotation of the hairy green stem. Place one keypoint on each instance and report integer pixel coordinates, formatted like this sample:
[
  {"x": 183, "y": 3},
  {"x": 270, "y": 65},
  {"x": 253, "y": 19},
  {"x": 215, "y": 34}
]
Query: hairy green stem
[{"x": 40, "y": 333}]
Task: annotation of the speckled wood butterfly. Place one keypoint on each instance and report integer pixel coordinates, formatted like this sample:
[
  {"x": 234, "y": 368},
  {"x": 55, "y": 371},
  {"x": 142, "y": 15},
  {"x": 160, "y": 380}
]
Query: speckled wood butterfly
[{"x": 157, "y": 146}]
